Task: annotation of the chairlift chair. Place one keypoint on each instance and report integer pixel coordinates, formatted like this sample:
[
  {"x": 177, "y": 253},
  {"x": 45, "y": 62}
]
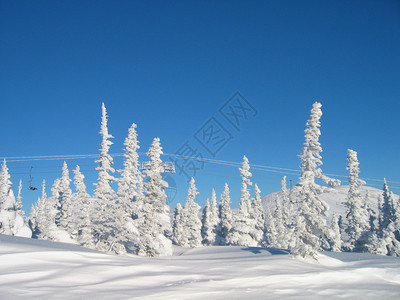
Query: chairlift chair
[{"x": 30, "y": 187}]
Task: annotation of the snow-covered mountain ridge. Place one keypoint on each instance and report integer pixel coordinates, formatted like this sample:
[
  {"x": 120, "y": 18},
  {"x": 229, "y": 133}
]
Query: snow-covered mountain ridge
[{"x": 334, "y": 197}]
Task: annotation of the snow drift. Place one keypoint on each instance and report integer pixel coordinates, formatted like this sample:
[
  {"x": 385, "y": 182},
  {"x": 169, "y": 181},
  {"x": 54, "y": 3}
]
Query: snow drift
[{"x": 39, "y": 269}]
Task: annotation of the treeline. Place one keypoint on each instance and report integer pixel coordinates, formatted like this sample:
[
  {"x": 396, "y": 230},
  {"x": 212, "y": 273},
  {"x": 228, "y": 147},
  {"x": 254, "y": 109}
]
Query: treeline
[{"x": 135, "y": 218}]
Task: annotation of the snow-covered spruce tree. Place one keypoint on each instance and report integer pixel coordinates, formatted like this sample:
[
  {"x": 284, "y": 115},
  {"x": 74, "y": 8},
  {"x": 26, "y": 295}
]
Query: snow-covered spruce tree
[
  {"x": 245, "y": 204},
  {"x": 371, "y": 213},
  {"x": 287, "y": 215},
  {"x": 177, "y": 228},
  {"x": 335, "y": 237},
  {"x": 282, "y": 240},
  {"x": 207, "y": 233},
  {"x": 82, "y": 210},
  {"x": 11, "y": 221},
  {"x": 106, "y": 223},
  {"x": 373, "y": 239},
  {"x": 154, "y": 223},
  {"x": 130, "y": 184},
  {"x": 43, "y": 217},
  {"x": 18, "y": 203},
  {"x": 396, "y": 206},
  {"x": 33, "y": 220},
  {"x": 37, "y": 218},
  {"x": 48, "y": 215},
  {"x": 311, "y": 232},
  {"x": 214, "y": 219},
  {"x": 258, "y": 215},
  {"x": 243, "y": 231},
  {"x": 191, "y": 235},
  {"x": 311, "y": 229},
  {"x": 388, "y": 212},
  {"x": 380, "y": 214},
  {"x": 154, "y": 187},
  {"x": 287, "y": 205},
  {"x": 55, "y": 202},
  {"x": 6, "y": 201},
  {"x": 65, "y": 198},
  {"x": 388, "y": 243},
  {"x": 225, "y": 217},
  {"x": 311, "y": 154},
  {"x": 51, "y": 211},
  {"x": 270, "y": 234},
  {"x": 305, "y": 241},
  {"x": 358, "y": 229}
]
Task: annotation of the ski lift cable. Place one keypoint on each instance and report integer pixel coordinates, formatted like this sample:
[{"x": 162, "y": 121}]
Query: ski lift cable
[
  {"x": 266, "y": 168},
  {"x": 236, "y": 178},
  {"x": 48, "y": 167},
  {"x": 255, "y": 175},
  {"x": 48, "y": 156},
  {"x": 212, "y": 170},
  {"x": 206, "y": 172},
  {"x": 206, "y": 160}
]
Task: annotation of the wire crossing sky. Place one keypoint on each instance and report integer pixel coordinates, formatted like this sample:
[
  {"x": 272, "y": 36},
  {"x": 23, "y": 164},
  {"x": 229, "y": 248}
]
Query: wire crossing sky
[
  {"x": 215, "y": 80},
  {"x": 206, "y": 160}
]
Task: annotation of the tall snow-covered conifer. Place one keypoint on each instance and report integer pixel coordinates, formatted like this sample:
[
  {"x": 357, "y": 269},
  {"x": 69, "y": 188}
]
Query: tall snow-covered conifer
[
  {"x": 177, "y": 228},
  {"x": 388, "y": 212},
  {"x": 258, "y": 215},
  {"x": 358, "y": 228},
  {"x": 65, "y": 198},
  {"x": 155, "y": 185},
  {"x": 388, "y": 243},
  {"x": 214, "y": 219},
  {"x": 83, "y": 204},
  {"x": 52, "y": 213},
  {"x": 335, "y": 235},
  {"x": 207, "y": 233},
  {"x": 154, "y": 222},
  {"x": 282, "y": 240},
  {"x": 270, "y": 234},
  {"x": 6, "y": 201},
  {"x": 191, "y": 235},
  {"x": 245, "y": 204},
  {"x": 225, "y": 217},
  {"x": 18, "y": 203},
  {"x": 38, "y": 219},
  {"x": 130, "y": 185},
  {"x": 311, "y": 229},
  {"x": 11, "y": 220},
  {"x": 243, "y": 232},
  {"x": 287, "y": 215},
  {"x": 103, "y": 190},
  {"x": 105, "y": 210},
  {"x": 310, "y": 157}
]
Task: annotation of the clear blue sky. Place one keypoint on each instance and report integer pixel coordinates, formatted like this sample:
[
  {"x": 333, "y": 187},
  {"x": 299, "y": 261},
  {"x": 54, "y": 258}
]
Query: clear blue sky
[{"x": 169, "y": 66}]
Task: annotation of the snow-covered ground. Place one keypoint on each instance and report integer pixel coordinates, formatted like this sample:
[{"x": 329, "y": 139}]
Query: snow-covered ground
[{"x": 38, "y": 269}]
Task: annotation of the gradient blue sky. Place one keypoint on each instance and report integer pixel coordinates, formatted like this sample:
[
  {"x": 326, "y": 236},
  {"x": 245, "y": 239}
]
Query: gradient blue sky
[{"x": 170, "y": 65}]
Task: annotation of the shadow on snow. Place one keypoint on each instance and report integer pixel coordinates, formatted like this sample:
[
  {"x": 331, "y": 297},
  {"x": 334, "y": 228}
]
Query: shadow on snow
[{"x": 273, "y": 251}]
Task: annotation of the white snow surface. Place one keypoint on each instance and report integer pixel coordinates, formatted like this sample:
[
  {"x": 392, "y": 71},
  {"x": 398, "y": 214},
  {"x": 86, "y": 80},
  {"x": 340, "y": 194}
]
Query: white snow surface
[{"x": 38, "y": 269}]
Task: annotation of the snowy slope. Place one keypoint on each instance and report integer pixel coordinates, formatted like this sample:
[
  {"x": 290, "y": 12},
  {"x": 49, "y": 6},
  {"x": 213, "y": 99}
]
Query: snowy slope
[
  {"x": 46, "y": 270},
  {"x": 334, "y": 197}
]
